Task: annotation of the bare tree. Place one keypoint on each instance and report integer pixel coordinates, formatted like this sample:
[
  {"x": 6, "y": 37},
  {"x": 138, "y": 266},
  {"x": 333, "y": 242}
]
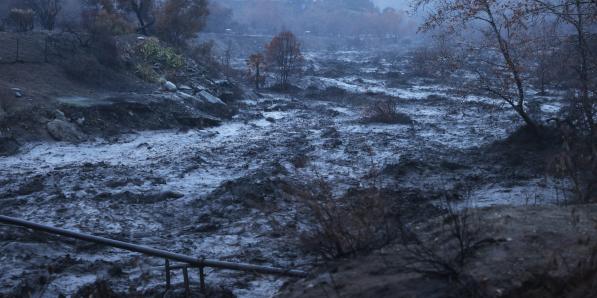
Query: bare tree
[
  {"x": 502, "y": 25},
  {"x": 143, "y": 10},
  {"x": 283, "y": 54},
  {"x": 581, "y": 16}
]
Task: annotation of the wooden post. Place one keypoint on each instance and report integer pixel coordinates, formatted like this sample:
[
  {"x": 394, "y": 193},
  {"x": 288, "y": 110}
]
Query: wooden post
[
  {"x": 167, "y": 274},
  {"x": 202, "y": 280},
  {"x": 18, "y": 59},
  {"x": 46, "y": 50},
  {"x": 187, "y": 288}
]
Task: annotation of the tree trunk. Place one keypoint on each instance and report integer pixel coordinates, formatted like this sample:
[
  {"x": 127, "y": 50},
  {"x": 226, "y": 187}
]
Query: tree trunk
[{"x": 514, "y": 71}]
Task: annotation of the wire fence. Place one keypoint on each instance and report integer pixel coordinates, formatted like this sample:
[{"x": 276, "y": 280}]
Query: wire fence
[{"x": 35, "y": 47}]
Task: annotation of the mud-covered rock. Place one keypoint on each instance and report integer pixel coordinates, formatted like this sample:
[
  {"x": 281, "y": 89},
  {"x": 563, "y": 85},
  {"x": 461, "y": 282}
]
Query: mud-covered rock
[
  {"x": 169, "y": 86},
  {"x": 61, "y": 130}
]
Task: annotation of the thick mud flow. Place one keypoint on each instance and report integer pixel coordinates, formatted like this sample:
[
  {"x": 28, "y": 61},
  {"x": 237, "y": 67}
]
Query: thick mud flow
[{"x": 220, "y": 192}]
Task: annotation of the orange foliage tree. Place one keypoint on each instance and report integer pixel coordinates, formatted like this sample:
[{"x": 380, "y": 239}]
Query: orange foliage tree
[
  {"x": 283, "y": 55},
  {"x": 256, "y": 62}
]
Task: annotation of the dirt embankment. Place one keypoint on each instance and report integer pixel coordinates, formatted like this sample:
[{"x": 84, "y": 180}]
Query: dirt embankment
[
  {"x": 537, "y": 251},
  {"x": 44, "y": 99}
]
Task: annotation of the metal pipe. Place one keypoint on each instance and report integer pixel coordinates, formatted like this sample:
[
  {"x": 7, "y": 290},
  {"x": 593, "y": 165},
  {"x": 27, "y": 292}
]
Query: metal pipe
[{"x": 152, "y": 251}]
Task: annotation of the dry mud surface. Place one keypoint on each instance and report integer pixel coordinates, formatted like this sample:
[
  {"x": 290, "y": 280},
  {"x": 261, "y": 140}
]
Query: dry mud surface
[{"x": 222, "y": 192}]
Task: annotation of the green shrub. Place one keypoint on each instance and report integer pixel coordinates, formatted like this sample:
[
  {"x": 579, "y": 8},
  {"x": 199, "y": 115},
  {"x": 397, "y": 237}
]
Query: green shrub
[{"x": 153, "y": 52}]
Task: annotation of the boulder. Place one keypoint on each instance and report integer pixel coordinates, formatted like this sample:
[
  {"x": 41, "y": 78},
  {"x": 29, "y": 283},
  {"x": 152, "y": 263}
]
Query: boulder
[
  {"x": 62, "y": 130},
  {"x": 8, "y": 146},
  {"x": 169, "y": 86},
  {"x": 208, "y": 97}
]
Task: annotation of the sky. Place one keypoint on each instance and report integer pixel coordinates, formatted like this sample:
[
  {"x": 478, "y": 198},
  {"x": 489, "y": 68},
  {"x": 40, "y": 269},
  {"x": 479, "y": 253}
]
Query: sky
[{"x": 399, "y": 4}]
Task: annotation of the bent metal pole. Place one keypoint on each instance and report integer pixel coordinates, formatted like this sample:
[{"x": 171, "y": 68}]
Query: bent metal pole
[{"x": 152, "y": 251}]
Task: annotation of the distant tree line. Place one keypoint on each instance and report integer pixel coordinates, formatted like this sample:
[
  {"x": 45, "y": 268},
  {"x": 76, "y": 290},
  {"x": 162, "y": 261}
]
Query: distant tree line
[{"x": 174, "y": 21}]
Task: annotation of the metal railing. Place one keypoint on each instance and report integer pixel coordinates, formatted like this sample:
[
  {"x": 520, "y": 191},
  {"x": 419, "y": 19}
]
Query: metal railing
[{"x": 189, "y": 262}]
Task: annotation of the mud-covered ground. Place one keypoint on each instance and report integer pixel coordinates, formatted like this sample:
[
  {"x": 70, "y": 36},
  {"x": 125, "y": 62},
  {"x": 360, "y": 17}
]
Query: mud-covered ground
[{"x": 226, "y": 192}]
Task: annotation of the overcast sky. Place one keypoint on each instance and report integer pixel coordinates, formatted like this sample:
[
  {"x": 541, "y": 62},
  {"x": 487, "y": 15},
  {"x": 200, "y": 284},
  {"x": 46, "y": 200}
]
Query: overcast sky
[{"x": 400, "y": 4}]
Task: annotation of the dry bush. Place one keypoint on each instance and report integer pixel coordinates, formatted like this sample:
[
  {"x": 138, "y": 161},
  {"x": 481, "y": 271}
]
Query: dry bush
[
  {"x": 102, "y": 22},
  {"x": 350, "y": 225},
  {"x": 180, "y": 20},
  {"x": 577, "y": 163},
  {"x": 22, "y": 19},
  {"x": 384, "y": 112},
  {"x": 444, "y": 247}
]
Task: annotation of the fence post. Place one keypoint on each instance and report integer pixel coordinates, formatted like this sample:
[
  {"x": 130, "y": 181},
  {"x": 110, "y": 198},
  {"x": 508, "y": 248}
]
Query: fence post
[
  {"x": 202, "y": 280},
  {"x": 46, "y": 49},
  {"x": 187, "y": 287},
  {"x": 167, "y": 274},
  {"x": 18, "y": 44}
]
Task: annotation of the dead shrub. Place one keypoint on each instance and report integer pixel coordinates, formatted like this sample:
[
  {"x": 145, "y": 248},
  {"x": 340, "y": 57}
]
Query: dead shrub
[
  {"x": 348, "y": 226},
  {"x": 384, "y": 112},
  {"x": 442, "y": 247}
]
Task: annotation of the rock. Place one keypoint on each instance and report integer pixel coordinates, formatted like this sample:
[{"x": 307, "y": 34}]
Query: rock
[
  {"x": 8, "y": 146},
  {"x": 18, "y": 92},
  {"x": 169, "y": 86},
  {"x": 198, "y": 120},
  {"x": 208, "y": 97},
  {"x": 60, "y": 115},
  {"x": 185, "y": 95},
  {"x": 61, "y": 130},
  {"x": 185, "y": 88},
  {"x": 200, "y": 88}
]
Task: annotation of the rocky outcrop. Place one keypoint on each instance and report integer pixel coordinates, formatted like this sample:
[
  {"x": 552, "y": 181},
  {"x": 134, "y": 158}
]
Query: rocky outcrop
[{"x": 62, "y": 130}]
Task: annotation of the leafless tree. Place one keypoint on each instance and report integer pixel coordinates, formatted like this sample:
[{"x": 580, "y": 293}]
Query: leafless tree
[
  {"x": 581, "y": 16},
  {"x": 502, "y": 26},
  {"x": 143, "y": 10},
  {"x": 47, "y": 11}
]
